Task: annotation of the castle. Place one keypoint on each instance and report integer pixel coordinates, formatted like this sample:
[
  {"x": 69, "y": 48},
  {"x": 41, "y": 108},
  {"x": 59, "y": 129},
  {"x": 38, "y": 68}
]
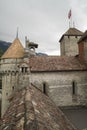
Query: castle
[{"x": 62, "y": 78}]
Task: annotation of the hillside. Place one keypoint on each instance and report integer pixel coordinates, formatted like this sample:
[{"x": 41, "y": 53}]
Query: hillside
[{"x": 3, "y": 46}]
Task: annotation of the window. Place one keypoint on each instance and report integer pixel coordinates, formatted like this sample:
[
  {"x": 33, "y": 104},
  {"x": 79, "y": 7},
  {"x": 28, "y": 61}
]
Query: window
[
  {"x": 45, "y": 88},
  {"x": 0, "y": 84},
  {"x": 12, "y": 87},
  {"x": 73, "y": 88},
  {"x": 6, "y": 94},
  {"x": 68, "y": 37},
  {"x": 24, "y": 69}
]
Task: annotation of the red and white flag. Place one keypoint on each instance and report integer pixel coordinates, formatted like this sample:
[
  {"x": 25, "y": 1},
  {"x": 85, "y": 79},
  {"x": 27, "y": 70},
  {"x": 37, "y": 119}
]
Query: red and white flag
[{"x": 69, "y": 14}]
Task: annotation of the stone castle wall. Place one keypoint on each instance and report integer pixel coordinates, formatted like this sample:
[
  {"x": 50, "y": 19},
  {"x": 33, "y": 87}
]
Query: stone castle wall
[
  {"x": 12, "y": 79},
  {"x": 85, "y": 51},
  {"x": 59, "y": 86},
  {"x": 9, "y": 80},
  {"x": 69, "y": 46}
]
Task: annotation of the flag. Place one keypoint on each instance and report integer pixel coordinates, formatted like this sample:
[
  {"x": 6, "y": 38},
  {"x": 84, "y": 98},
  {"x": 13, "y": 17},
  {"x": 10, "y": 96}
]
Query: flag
[{"x": 69, "y": 14}]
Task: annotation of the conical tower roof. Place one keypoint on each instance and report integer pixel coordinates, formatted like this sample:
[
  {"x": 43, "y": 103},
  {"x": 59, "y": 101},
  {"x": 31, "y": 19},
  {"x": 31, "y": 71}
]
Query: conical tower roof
[
  {"x": 15, "y": 50},
  {"x": 72, "y": 32}
]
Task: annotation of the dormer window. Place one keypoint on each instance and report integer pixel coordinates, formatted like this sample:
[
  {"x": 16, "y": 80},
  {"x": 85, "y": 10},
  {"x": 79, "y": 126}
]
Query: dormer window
[{"x": 24, "y": 68}]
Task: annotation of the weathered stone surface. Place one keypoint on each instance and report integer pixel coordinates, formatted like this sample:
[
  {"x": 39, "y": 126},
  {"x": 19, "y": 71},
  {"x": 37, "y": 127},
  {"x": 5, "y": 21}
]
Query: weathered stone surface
[
  {"x": 30, "y": 109},
  {"x": 59, "y": 86}
]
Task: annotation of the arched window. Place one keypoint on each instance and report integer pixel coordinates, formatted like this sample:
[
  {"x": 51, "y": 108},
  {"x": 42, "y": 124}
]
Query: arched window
[{"x": 24, "y": 68}]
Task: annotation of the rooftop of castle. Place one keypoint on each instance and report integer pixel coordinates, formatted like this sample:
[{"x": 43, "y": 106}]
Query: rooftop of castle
[
  {"x": 72, "y": 32},
  {"x": 55, "y": 63},
  {"x": 15, "y": 50},
  {"x": 30, "y": 109}
]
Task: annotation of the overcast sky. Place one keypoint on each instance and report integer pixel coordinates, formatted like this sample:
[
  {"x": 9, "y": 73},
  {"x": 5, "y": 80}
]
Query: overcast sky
[{"x": 42, "y": 21}]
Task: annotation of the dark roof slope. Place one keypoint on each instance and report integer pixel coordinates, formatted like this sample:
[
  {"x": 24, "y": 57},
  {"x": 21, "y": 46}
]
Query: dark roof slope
[
  {"x": 55, "y": 63},
  {"x": 33, "y": 44},
  {"x": 84, "y": 36},
  {"x": 72, "y": 32},
  {"x": 30, "y": 109}
]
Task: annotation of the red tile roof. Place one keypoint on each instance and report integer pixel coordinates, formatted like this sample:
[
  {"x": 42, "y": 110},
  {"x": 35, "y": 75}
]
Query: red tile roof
[
  {"x": 30, "y": 109},
  {"x": 55, "y": 63}
]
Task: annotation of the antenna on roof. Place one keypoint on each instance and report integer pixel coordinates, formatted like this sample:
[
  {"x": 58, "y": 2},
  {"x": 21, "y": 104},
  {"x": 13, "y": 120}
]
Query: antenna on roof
[
  {"x": 17, "y": 33},
  {"x": 73, "y": 24}
]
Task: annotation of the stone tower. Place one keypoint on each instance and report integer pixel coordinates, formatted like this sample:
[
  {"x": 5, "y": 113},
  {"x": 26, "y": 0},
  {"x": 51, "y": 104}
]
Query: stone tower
[
  {"x": 30, "y": 47},
  {"x": 82, "y": 45},
  {"x": 10, "y": 71},
  {"x": 68, "y": 42},
  {"x": 15, "y": 69}
]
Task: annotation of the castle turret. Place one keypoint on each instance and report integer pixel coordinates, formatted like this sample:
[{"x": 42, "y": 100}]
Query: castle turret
[
  {"x": 68, "y": 42},
  {"x": 30, "y": 48},
  {"x": 82, "y": 45},
  {"x": 10, "y": 71}
]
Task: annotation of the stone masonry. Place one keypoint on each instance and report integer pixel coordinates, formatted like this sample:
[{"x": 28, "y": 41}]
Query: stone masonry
[{"x": 62, "y": 78}]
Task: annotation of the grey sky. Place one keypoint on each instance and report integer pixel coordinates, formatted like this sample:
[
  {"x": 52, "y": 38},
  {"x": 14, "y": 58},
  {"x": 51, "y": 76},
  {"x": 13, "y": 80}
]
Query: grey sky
[{"x": 42, "y": 21}]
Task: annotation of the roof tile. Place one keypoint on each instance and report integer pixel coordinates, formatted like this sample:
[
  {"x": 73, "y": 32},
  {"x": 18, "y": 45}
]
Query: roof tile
[
  {"x": 72, "y": 32},
  {"x": 30, "y": 109},
  {"x": 55, "y": 63}
]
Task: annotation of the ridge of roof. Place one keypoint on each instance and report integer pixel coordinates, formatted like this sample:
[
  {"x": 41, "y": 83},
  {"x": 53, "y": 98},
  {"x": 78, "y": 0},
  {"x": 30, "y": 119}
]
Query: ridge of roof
[
  {"x": 15, "y": 50},
  {"x": 31, "y": 109},
  {"x": 72, "y": 32}
]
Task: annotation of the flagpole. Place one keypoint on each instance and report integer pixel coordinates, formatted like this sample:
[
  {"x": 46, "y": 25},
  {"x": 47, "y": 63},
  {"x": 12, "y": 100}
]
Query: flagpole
[
  {"x": 70, "y": 18},
  {"x": 17, "y": 33},
  {"x": 69, "y": 23}
]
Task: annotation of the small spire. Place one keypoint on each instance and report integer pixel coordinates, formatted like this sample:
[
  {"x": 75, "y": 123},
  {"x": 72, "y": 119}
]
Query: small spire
[
  {"x": 17, "y": 34},
  {"x": 26, "y": 42}
]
